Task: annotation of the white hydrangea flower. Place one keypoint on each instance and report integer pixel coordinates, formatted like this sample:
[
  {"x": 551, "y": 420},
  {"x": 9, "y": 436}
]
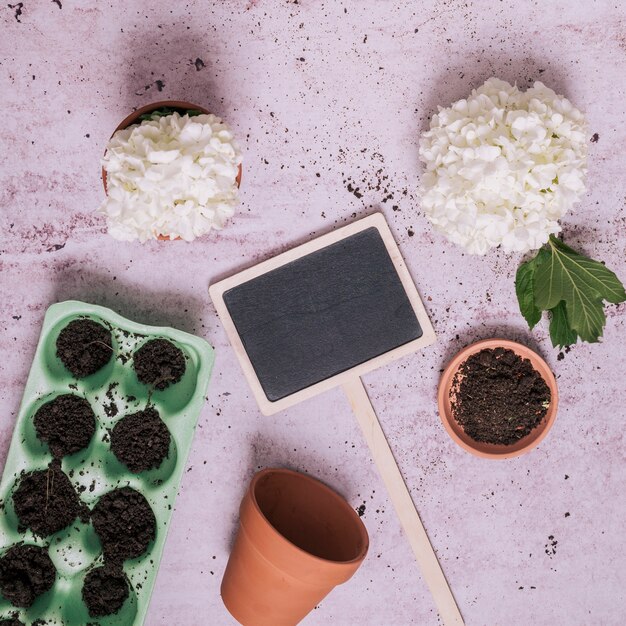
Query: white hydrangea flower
[
  {"x": 503, "y": 166},
  {"x": 174, "y": 175}
]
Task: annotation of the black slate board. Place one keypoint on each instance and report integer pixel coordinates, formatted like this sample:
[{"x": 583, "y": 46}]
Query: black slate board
[{"x": 322, "y": 314}]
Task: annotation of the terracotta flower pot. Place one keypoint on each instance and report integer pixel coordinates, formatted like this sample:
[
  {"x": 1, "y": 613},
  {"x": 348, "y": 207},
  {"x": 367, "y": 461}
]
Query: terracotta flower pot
[
  {"x": 297, "y": 540},
  {"x": 133, "y": 118},
  {"x": 491, "y": 450}
]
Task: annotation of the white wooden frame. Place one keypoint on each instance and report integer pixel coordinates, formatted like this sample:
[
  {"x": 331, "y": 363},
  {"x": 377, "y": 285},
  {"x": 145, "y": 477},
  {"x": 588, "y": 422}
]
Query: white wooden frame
[{"x": 377, "y": 220}]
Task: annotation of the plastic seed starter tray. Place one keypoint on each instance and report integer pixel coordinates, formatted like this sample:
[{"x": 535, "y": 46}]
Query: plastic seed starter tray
[{"x": 113, "y": 392}]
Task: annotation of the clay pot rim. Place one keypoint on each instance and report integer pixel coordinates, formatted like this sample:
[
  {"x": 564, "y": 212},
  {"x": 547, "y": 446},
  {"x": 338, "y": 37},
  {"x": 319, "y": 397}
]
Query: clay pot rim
[
  {"x": 318, "y": 484},
  {"x": 496, "y": 451},
  {"x": 132, "y": 118}
]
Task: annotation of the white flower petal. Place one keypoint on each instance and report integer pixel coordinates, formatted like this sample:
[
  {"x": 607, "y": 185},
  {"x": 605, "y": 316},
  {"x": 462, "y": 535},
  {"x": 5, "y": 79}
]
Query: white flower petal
[
  {"x": 502, "y": 166},
  {"x": 175, "y": 175}
]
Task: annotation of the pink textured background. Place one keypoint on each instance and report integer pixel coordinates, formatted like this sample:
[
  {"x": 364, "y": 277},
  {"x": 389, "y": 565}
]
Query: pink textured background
[{"x": 327, "y": 97}]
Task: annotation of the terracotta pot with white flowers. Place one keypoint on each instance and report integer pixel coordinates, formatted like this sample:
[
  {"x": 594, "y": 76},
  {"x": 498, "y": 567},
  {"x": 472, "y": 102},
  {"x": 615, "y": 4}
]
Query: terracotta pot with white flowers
[
  {"x": 171, "y": 170},
  {"x": 503, "y": 166}
]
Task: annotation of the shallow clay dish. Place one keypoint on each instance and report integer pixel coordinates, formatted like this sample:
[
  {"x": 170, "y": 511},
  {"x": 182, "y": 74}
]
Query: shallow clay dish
[
  {"x": 490, "y": 450},
  {"x": 148, "y": 108}
]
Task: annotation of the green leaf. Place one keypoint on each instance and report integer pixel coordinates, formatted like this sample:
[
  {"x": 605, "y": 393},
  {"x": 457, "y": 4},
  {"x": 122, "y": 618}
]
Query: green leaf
[
  {"x": 581, "y": 283},
  {"x": 596, "y": 274},
  {"x": 163, "y": 111},
  {"x": 524, "y": 288},
  {"x": 560, "y": 332}
]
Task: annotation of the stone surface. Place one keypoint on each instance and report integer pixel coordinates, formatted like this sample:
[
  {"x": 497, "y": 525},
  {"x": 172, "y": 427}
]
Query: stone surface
[{"x": 327, "y": 97}]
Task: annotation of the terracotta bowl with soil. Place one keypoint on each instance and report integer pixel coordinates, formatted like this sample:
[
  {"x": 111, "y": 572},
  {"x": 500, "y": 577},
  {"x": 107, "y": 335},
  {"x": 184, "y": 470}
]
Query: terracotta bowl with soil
[
  {"x": 179, "y": 106},
  {"x": 513, "y": 439}
]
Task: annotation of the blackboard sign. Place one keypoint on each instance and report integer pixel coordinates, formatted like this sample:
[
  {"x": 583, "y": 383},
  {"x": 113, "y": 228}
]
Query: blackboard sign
[{"x": 322, "y": 314}]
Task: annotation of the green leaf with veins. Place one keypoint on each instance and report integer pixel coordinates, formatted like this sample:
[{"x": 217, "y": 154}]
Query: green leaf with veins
[
  {"x": 595, "y": 274},
  {"x": 572, "y": 287},
  {"x": 560, "y": 332},
  {"x": 582, "y": 283}
]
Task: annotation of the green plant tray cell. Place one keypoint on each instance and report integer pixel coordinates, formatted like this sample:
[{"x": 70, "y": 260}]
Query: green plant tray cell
[{"x": 95, "y": 470}]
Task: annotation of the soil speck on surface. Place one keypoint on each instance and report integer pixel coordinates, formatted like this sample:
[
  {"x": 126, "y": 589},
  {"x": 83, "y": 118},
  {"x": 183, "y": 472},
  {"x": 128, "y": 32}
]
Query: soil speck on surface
[
  {"x": 84, "y": 347},
  {"x": 46, "y": 502},
  {"x": 26, "y": 572},
  {"x": 18, "y": 10},
  {"x": 67, "y": 423},
  {"x": 141, "y": 440},
  {"x": 550, "y": 547},
  {"x": 159, "y": 363},
  {"x": 105, "y": 590}
]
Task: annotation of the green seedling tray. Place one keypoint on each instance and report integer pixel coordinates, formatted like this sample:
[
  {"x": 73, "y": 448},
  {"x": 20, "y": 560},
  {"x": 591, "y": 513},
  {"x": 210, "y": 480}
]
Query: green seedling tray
[{"x": 95, "y": 470}]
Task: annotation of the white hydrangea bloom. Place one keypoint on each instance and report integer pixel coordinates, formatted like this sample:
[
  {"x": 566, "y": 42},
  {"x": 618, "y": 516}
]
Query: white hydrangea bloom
[
  {"x": 503, "y": 166},
  {"x": 174, "y": 175}
]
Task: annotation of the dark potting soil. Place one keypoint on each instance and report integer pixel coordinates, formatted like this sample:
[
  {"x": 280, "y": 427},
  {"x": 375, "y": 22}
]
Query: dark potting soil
[
  {"x": 124, "y": 523},
  {"x": 84, "y": 347},
  {"x": 498, "y": 396},
  {"x": 66, "y": 424},
  {"x": 105, "y": 590},
  {"x": 45, "y": 501},
  {"x": 159, "y": 363},
  {"x": 141, "y": 440},
  {"x": 26, "y": 572}
]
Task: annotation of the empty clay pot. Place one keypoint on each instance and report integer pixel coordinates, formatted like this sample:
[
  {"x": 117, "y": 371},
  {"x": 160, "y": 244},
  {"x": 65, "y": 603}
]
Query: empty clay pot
[
  {"x": 297, "y": 540},
  {"x": 179, "y": 105}
]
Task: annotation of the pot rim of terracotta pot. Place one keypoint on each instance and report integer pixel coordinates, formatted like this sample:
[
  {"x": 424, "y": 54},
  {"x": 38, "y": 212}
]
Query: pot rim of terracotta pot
[
  {"x": 487, "y": 450},
  {"x": 345, "y": 566},
  {"x": 133, "y": 118}
]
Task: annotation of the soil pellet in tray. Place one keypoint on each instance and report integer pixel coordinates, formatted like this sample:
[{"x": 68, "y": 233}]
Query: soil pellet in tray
[
  {"x": 124, "y": 523},
  {"x": 45, "y": 501},
  {"x": 105, "y": 590},
  {"x": 84, "y": 347},
  {"x": 498, "y": 397},
  {"x": 159, "y": 363},
  {"x": 141, "y": 440},
  {"x": 66, "y": 424},
  {"x": 26, "y": 572}
]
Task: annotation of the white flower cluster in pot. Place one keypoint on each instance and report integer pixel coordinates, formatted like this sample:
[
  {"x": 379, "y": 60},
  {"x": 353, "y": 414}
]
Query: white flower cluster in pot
[
  {"x": 503, "y": 166},
  {"x": 173, "y": 176}
]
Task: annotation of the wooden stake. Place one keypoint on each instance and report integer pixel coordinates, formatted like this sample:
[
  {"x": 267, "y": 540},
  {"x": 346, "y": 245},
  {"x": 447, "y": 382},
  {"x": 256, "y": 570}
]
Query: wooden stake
[{"x": 402, "y": 502}]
